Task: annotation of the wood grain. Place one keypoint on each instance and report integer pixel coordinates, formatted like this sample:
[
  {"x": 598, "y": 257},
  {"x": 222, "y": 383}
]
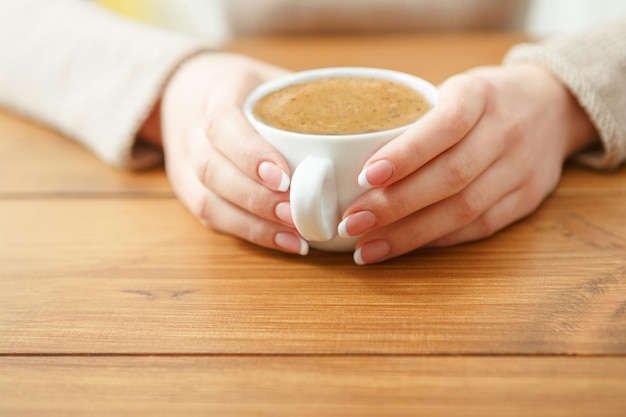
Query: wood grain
[
  {"x": 434, "y": 58},
  {"x": 133, "y": 282},
  {"x": 116, "y": 301},
  {"x": 312, "y": 386},
  {"x": 36, "y": 161}
]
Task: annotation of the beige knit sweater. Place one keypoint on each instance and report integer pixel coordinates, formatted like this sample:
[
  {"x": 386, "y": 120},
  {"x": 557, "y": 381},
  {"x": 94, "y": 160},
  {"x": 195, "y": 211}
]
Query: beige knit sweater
[{"x": 95, "y": 76}]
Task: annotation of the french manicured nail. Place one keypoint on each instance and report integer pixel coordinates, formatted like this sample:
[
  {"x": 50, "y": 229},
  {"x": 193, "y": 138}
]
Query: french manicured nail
[
  {"x": 356, "y": 224},
  {"x": 283, "y": 212},
  {"x": 274, "y": 177},
  {"x": 371, "y": 252},
  {"x": 291, "y": 243},
  {"x": 375, "y": 174}
]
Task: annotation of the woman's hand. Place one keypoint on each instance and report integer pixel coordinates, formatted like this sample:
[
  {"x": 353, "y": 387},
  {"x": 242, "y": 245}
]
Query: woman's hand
[
  {"x": 229, "y": 177},
  {"x": 486, "y": 156}
]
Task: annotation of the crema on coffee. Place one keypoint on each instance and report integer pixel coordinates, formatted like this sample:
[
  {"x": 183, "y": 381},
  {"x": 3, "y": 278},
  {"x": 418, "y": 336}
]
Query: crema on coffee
[{"x": 341, "y": 105}]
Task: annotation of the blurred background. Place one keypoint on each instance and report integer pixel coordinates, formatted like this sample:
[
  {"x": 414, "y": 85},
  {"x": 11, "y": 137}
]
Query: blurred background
[{"x": 206, "y": 18}]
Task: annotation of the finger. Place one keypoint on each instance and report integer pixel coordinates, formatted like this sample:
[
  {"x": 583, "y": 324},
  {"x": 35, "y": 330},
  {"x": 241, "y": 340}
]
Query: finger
[
  {"x": 443, "y": 218},
  {"x": 218, "y": 174},
  {"x": 222, "y": 216},
  {"x": 438, "y": 180},
  {"x": 227, "y": 218},
  {"x": 461, "y": 104},
  {"x": 231, "y": 133},
  {"x": 507, "y": 211}
]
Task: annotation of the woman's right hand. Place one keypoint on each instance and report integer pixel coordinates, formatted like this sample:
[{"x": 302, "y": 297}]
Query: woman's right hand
[{"x": 231, "y": 179}]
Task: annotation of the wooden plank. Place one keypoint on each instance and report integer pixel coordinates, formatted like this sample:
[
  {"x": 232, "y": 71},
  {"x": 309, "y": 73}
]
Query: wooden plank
[
  {"x": 312, "y": 386},
  {"x": 581, "y": 181},
  {"x": 97, "y": 276},
  {"x": 97, "y": 261},
  {"x": 37, "y": 161},
  {"x": 432, "y": 57}
]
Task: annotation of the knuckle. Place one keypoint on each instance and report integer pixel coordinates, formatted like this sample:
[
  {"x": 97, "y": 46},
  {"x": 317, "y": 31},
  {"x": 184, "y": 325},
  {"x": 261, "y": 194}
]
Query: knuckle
[
  {"x": 211, "y": 121},
  {"x": 486, "y": 227},
  {"x": 214, "y": 119},
  {"x": 252, "y": 198},
  {"x": 475, "y": 85},
  {"x": 481, "y": 87},
  {"x": 512, "y": 126},
  {"x": 457, "y": 121},
  {"x": 255, "y": 202},
  {"x": 389, "y": 205},
  {"x": 469, "y": 96},
  {"x": 249, "y": 156},
  {"x": 257, "y": 233},
  {"x": 201, "y": 210},
  {"x": 204, "y": 169},
  {"x": 459, "y": 171},
  {"x": 512, "y": 131},
  {"x": 470, "y": 205}
]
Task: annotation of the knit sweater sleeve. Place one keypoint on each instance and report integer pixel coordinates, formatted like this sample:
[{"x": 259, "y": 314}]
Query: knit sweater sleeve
[
  {"x": 592, "y": 65},
  {"x": 87, "y": 73}
]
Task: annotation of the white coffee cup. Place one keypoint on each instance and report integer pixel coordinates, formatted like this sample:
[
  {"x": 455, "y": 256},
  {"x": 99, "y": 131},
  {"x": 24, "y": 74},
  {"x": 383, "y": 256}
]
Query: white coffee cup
[{"x": 326, "y": 167}]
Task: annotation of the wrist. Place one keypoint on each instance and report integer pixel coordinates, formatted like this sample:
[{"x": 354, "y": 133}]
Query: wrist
[
  {"x": 578, "y": 131},
  {"x": 150, "y": 130}
]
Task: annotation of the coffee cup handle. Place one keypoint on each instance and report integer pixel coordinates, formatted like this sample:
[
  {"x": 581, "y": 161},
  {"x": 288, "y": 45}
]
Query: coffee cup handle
[{"x": 314, "y": 204}]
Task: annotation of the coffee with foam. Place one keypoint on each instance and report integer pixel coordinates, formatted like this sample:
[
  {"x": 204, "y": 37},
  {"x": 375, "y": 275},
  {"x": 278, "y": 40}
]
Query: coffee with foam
[{"x": 341, "y": 105}]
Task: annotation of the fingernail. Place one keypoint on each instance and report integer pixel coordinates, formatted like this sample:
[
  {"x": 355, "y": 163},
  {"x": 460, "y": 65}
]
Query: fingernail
[
  {"x": 274, "y": 177},
  {"x": 375, "y": 174},
  {"x": 283, "y": 212},
  {"x": 371, "y": 252},
  {"x": 357, "y": 224},
  {"x": 291, "y": 243}
]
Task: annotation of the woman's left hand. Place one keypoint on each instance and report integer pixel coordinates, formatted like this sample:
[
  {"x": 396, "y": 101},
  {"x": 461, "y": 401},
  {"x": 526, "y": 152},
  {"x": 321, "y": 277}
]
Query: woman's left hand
[{"x": 486, "y": 156}]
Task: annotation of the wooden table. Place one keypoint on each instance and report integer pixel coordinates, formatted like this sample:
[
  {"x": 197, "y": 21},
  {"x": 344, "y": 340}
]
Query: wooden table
[{"x": 115, "y": 301}]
